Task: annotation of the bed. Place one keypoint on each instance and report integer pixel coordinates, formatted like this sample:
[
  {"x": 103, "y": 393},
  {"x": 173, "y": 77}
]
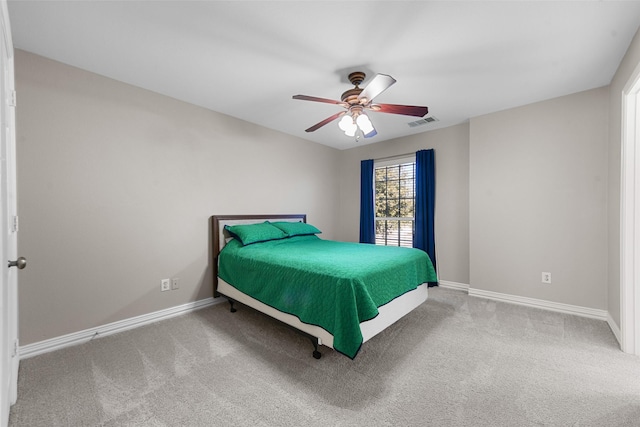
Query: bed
[{"x": 326, "y": 290}]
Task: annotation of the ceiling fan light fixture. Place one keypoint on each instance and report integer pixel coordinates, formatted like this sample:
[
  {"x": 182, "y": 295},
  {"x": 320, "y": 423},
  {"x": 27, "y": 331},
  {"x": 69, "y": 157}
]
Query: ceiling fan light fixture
[
  {"x": 364, "y": 124},
  {"x": 351, "y": 131},
  {"x": 370, "y": 134},
  {"x": 347, "y": 125},
  {"x": 346, "y": 122}
]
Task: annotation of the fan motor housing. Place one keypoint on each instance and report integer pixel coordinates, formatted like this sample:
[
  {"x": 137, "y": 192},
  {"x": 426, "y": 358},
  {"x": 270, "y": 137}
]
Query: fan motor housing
[
  {"x": 351, "y": 96},
  {"x": 356, "y": 77}
]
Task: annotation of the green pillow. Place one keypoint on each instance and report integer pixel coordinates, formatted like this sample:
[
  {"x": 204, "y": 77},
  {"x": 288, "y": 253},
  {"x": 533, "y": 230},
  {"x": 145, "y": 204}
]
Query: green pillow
[
  {"x": 296, "y": 228},
  {"x": 254, "y": 233}
]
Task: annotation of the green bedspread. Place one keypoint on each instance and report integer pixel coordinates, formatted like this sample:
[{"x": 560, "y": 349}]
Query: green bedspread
[{"x": 335, "y": 285}]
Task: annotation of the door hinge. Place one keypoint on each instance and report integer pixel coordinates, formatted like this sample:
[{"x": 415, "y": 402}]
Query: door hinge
[
  {"x": 13, "y": 99},
  {"x": 15, "y": 225},
  {"x": 15, "y": 348}
]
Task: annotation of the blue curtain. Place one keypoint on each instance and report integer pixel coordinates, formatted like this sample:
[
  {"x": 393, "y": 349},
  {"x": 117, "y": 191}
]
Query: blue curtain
[
  {"x": 424, "y": 237},
  {"x": 367, "y": 216}
]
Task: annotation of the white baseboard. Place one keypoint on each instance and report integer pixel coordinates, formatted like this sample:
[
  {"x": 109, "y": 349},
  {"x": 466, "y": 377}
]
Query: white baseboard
[
  {"x": 453, "y": 285},
  {"x": 543, "y": 304},
  {"x": 80, "y": 337},
  {"x": 41, "y": 347},
  {"x": 614, "y": 328}
]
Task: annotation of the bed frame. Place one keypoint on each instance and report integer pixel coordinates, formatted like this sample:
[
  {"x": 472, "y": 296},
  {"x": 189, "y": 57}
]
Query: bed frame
[{"x": 388, "y": 314}]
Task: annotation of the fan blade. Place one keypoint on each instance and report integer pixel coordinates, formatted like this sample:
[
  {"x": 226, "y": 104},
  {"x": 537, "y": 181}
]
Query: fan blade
[
  {"x": 376, "y": 86},
  {"x": 406, "y": 110},
  {"x": 325, "y": 121},
  {"x": 316, "y": 99}
]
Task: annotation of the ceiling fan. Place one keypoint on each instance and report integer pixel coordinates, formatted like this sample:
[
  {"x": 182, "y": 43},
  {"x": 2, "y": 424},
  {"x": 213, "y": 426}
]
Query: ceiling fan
[{"x": 355, "y": 101}]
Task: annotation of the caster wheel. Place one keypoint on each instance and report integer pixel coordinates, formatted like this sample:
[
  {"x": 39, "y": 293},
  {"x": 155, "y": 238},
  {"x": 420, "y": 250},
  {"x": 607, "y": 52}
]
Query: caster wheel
[{"x": 317, "y": 354}]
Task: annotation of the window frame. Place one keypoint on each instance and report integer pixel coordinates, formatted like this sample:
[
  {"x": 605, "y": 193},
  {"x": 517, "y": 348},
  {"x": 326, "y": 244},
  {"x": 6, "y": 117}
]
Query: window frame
[{"x": 390, "y": 162}]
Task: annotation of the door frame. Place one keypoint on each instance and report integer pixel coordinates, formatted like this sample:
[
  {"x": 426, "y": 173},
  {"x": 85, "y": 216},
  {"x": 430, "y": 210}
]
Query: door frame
[
  {"x": 8, "y": 229},
  {"x": 630, "y": 217}
]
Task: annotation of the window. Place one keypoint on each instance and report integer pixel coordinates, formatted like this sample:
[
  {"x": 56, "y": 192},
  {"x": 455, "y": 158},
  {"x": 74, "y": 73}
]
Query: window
[{"x": 395, "y": 202}]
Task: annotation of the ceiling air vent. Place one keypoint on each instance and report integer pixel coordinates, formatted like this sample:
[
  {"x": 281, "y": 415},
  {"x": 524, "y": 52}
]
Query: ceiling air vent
[{"x": 423, "y": 121}]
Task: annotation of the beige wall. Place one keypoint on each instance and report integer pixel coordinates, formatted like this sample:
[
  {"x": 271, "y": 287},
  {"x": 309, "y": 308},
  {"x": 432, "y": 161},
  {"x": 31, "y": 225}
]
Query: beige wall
[
  {"x": 629, "y": 63},
  {"x": 538, "y": 191},
  {"x": 451, "y": 147},
  {"x": 116, "y": 186}
]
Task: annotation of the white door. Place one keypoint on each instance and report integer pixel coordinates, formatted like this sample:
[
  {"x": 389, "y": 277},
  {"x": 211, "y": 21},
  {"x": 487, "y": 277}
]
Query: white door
[{"x": 8, "y": 225}]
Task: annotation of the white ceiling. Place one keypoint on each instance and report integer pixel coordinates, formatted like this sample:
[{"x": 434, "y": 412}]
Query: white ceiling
[{"x": 247, "y": 59}]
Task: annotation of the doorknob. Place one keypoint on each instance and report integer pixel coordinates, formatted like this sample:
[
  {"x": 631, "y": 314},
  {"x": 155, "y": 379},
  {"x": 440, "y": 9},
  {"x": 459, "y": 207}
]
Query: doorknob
[{"x": 20, "y": 263}]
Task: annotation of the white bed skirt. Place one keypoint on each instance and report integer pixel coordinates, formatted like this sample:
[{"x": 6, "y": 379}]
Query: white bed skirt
[{"x": 389, "y": 313}]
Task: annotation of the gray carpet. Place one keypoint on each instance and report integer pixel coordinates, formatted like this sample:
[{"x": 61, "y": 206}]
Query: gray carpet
[{"x": 454, "y": 361}]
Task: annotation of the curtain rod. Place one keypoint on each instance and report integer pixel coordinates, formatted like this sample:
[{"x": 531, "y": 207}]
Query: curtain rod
[{"x": 397, "y": 156}]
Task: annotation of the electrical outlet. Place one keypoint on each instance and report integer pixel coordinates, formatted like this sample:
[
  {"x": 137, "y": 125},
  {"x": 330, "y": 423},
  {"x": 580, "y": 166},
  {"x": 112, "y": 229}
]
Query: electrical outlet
[
  {"x": 546, "y": 277},
  {"x": 165, "y": 284},
  {"x": 175, "y": 283}
]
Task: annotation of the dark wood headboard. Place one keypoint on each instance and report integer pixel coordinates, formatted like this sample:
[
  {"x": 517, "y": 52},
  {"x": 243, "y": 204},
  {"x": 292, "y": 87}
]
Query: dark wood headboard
[{"x": 218, "y": 237}]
